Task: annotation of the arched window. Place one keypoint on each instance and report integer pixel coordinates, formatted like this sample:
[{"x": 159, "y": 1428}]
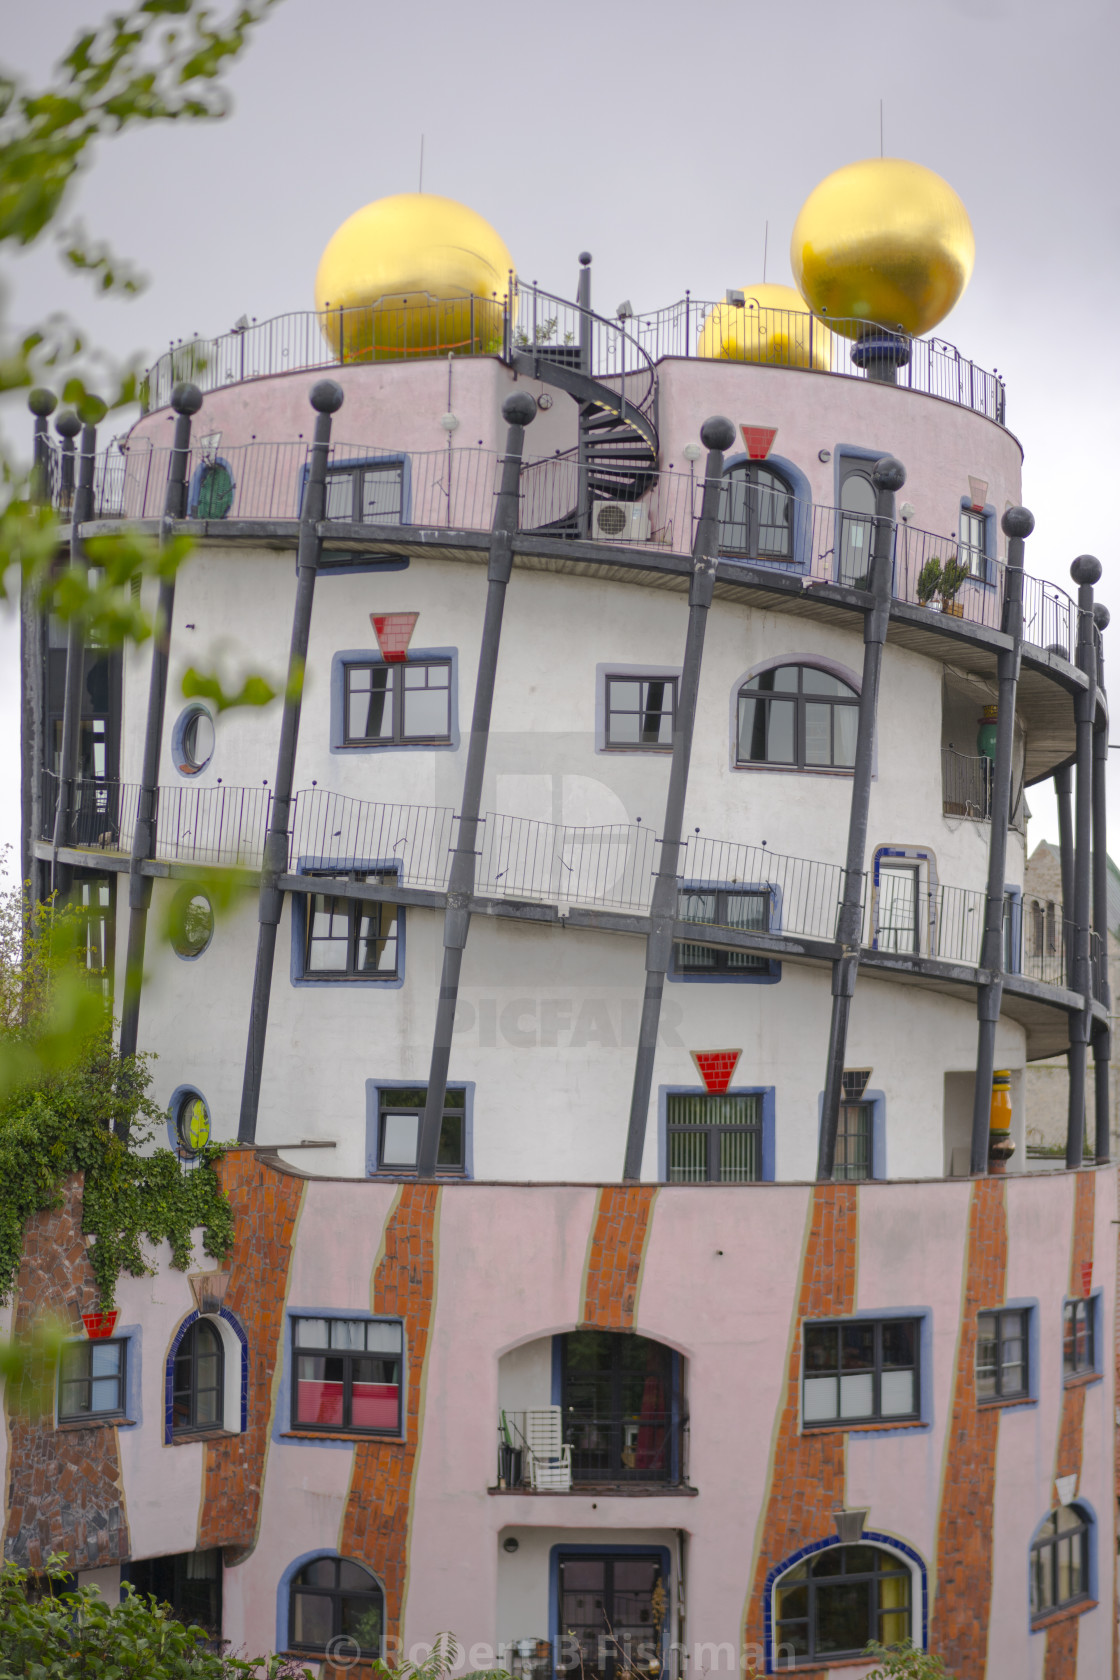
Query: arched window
[
  {"x": 833, "y": 1603},
  {"x": 213, "y": 492},
  {"x": 1060, "y": 1560},
  {"x": 336, "y": 1605},
  {"x": 198, "y": 1380},
  {"x": 857, "y": 522},
  {"x": 756, "y": 513},
  {"x": 798, "y": 716}
]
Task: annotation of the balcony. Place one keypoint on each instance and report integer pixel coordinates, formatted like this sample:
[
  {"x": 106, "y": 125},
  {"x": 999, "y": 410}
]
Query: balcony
[
  {"x": 966, "y": 785},
  {"x": 641, "y": 1451}
]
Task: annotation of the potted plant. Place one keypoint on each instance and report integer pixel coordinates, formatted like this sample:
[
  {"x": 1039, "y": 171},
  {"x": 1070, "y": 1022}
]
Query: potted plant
[
  {"x": 929, "y": 581},
  {"x": 953, "y": 574}
]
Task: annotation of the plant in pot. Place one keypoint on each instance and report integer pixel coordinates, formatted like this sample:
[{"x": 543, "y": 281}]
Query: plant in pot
[
  {"x": 929, "y": 581},
  {"x": 953, "y": 574}
]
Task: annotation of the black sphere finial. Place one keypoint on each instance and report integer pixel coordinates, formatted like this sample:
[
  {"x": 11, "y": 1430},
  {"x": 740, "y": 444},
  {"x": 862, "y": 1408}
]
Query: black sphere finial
[
  {"x": 717, "y": 432},
  {"x": 1017, "y": 522},
  {"x": 585, "y": 259},
  {"x": 186, "y": 398},
  {"x": 1102, "y": 618},
  {"x": 519, "y": 409},
  {"x": 41, "y": 402},
  {"x": 67, "y": 424},
  {"x": 1085, "y": 569},
  {"x": 327, "y": 396},
  {"x": 888, "y": 473}
]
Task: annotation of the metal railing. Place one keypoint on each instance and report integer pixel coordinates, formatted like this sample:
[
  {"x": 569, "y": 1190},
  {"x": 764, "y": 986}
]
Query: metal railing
[
  {"x": 525, "y": 861},
  {"x": 966, "y": 785},
  {"x": 539, "y": 321},
  {"x": 790, "y": 338},
  {"x": 620, "y": 1447}
]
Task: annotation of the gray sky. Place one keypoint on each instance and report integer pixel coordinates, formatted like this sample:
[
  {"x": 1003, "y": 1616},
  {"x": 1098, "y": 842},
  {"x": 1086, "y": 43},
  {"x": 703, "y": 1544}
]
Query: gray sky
[{"x": 661, "y": 137}]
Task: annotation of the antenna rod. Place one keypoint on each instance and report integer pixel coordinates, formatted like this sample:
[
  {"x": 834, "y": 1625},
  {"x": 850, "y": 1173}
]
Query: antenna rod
[
  {"x": 765, "y": 247},
  {"x": 880, "y": 128},
  {"x": 420, "y": 188}
]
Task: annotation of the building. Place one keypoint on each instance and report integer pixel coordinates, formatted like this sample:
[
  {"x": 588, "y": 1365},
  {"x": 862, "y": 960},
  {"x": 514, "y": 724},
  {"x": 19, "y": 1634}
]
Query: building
[{"x": 615, "y": 1264}]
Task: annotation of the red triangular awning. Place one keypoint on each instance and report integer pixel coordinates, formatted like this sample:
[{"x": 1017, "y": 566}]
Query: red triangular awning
[
  {"x": 715, "y": 1068},
  {"x": 759, "y": 440},
  {"x": 393, "y": 632}
]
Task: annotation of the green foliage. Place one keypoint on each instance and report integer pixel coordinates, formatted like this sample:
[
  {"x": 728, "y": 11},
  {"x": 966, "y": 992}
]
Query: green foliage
[
  {"x": 929, "y": 581},
  {"x": 48, "y": 1631},
  {"x": 953, "y": 574},
  {"x": 440, "y": 1662},
  {"x": 67, "y": 1104},
  {"x": 905, "y": 1662}
]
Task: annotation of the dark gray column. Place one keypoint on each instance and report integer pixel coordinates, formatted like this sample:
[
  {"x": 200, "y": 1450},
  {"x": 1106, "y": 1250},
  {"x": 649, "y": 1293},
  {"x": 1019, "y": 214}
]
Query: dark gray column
[
  {"x": 586, "y": 328},
  {"x": 1085, "y": 571},
  {"x": 889, "y": 476},
  {"x": 1063, "y": 792},
  {"x": 518, "y": 410},
  {"x": 185, "y": 400},
  {"x": 326, "y": 399},
  {"x": 717, "y": 435},
  {"x": 32, "y": 655},
  {"x": 1102, "y": 1034},
  {"x": 1018, "y": 523},
  {"x": 69, "y": 758}
]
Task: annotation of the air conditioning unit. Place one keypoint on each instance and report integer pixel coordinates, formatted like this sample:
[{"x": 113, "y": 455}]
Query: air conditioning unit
[{"x": 621, "y": 521}]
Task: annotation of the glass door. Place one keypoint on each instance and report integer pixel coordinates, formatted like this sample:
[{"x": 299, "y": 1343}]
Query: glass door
[{"x": 613, "y": 1610}]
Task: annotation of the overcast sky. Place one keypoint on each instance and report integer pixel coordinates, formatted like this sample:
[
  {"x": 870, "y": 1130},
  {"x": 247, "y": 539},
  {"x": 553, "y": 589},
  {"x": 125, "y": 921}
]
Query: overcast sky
[{"x": 663, "y": 138}]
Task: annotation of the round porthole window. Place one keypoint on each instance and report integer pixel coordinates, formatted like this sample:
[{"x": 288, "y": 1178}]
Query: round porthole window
[
  {"x": 192, "y": 923},
  {"x": 189, "y": 1120},
  {"x": 192, "y": 740}
]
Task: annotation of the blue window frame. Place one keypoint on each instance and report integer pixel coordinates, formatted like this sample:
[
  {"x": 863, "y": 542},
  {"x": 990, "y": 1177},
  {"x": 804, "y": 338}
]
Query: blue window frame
[
  {"x": 370, "y": 489},
  {"x": 810, "y": 1613},
  {"x": 410, "y": 705},
  {"x": 750, "y": 906},
  {"x": 976, "y": 541},
  {"x": 766, "y": 513},
  {"x": 393, "y": 1109},
  {"x": 343, "y": 941},
  {"x": 726, "y": 1138}
]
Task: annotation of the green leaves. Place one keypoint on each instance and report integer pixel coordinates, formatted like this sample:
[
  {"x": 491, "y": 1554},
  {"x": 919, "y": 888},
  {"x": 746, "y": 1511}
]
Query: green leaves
[
  {"x": 207, "y": 685},
  {"x": 905, "y": 1662}
]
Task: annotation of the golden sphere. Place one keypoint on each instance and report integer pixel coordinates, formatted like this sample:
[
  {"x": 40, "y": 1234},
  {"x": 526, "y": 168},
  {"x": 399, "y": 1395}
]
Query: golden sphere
[
  {"x": 773, "y": 326},
  {"x": 885, "y": 241},
  {"x": 412, "y": 274}
]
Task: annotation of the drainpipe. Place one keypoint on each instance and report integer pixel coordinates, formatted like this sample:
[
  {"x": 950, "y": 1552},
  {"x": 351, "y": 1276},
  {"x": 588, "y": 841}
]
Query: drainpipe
[
  {"x": 1063, "y": 792},
  {"x": 1102, "y": 1033},
  {"x": 888, "y": 475},
  {"x": 1018, "y": 523},
  {"x": 518, "y": 410},
  {"x": 1085, "y": 571},
  {"x": 69, "y": 759},
  {"x": 185, "y": 400},
  {"x": 717, "y": 435},
  {"x": 326, "y": 399}
]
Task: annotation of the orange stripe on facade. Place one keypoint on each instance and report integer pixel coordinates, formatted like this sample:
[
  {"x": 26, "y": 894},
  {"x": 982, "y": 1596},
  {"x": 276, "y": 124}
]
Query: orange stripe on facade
[
  {"x": 807, "y": 1483},
  {"x": 959, "y": 1625},
  {"x": 614, "y": 1261},
  {"x": 1061, "y": 1639},
  {"x": 266, "y": 1204},
  {"x": 375, "y": 1525}
]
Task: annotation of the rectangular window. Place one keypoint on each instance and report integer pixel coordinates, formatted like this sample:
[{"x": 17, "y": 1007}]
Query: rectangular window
[
  {"x": 1001, "y": 1355},
  {"x": 348, "y": 1374},
  {"x": 368, "y": 494},
  {"x": 640, "y": 712},
  {"x": 715, "y": 1139},
  {"x": 397, "y": 705},
  {"x": 398, "y": 1130},
  {"x": 91, "y": 1379},
  {"x": 973, "y": 545},
  {"x": 861, "y": 1372},
  {"x": 720, "y": 907},
  {"x": 352, "y": 938},
  {"x": 1079, "y": 1353}
]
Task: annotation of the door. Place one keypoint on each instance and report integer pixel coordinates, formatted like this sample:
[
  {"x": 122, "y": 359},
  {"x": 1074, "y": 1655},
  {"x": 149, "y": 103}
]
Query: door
[
  {"x": 857, "y": 523},
  {"x": 896, "y": 921},
  {"x": 613, "y": 1611}
]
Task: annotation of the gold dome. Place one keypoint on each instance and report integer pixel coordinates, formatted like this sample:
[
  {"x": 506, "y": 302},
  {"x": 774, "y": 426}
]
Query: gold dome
[
  {"x": 773, "y": 326},
  {"x": 412, "y": 274},
  {"x": 885, "y": 241}
]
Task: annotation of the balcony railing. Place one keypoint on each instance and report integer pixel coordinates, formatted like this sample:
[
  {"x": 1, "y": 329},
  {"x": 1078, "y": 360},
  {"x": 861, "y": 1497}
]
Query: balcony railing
[
  {"x": 307, "y": 339},
  {"x": 610, "y": 867},
  {"x": 454, "y": 490},
  {"x": 966, "y": 785},
  {"x": 619, "y": 1448}
]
